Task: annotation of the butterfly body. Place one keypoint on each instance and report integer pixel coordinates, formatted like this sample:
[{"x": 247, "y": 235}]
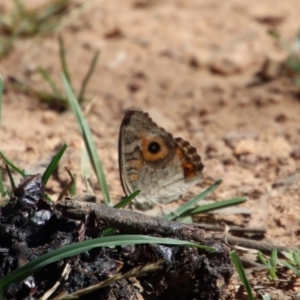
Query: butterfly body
[{"x": 152, "y": 161}]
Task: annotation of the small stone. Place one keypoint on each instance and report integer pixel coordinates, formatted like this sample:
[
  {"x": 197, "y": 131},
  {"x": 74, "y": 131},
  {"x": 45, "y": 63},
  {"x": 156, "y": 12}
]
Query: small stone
[
  {"x": 281, "y": 148},
  {"x": 114, "y": 33},
  {"x": 249, "y": 159},
  {"x": 232, "y": 138},
  {"x": 134, "y": 86},
  {"x": 281, "y": 118},
  {"x": 238, "y": 58},
  {"x": 296, "y": 152},
  {"x": 245, "y": 147},
  {"x": 195, "y": 62},
  {"x": 205, "y": 110},
  {"x": 49, "y": 117}
]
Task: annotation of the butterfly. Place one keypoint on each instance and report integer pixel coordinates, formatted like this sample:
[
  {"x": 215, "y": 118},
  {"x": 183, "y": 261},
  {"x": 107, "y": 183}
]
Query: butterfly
[{"x": 152, "y": 161}]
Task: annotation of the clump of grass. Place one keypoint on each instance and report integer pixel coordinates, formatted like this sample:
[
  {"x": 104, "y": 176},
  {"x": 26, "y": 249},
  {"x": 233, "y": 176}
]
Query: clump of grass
[
  {"x": 23, "y": 22},
  {"x": 290, "y": 67},
  {"x": 56, "y": 93},
  {"x": 88, "y": 140},
  {"x": 56, "y": 98},
  {"x": 293, "y": 260},
  {"x": 185, "y": 212},
  {"x": 270, "y": 263}
]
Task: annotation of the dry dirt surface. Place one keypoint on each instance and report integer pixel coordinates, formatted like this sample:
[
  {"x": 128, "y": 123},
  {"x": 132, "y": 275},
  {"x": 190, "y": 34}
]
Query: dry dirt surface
[{"x": 192, "y": 65}]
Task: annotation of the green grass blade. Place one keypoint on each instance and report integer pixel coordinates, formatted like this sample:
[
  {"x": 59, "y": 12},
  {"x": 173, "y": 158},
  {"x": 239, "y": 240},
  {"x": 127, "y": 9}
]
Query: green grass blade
[
  {"x": 272, "y": 272},
  {"x": 214, "y": 206},
  {"x": 64, "y": 65},
  {"x": 239, "y": 268},
  {"x": 6, "y": 45},
  {"x": 73, "y": 187},
  {"x": 186, "y": 220},
  {"x": 274, "y": 257},
  {"x": 288, "y": 255},
  {"x": 1, "y": 93},
  {"x": 109, "y": 232},
  {"x": 269, "y": 263},
  {"x": 50, "y": 98},
  {"x": 77, "y": 248},
  {"x": 88, "y": 76},
  {"x": 127, "y": 200},
  {"x": 8, "y": 162},
  {"x": 51, "y": 83},
  {"x": 89, "y": 142},
  {"x": 2, "y": 188},
  {"x": 262, "y": 259},
  {"x": 182, "y": 209},
  {"x": 296, "y": 258},
  {"x": 292, "y": 268},
  {"x": 47, "y": 14},
  {"x": 20, "y": 8},
  {"x": 85, "y": 169},
  {"x": 12, "y": 182},
  {"x": 53, "y": 164}
]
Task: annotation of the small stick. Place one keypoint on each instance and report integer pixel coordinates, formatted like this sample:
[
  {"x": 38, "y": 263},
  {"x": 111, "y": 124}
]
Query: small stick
[
  {"x": 131, "y": 222},
  {"x": 68, "y": 186},
  {"x": 236, "y": 229},
  {"x": 264, "y": 247}
]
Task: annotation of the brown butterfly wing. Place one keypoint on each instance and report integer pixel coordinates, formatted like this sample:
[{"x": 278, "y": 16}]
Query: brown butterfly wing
[{"x": 151, "y": 160}]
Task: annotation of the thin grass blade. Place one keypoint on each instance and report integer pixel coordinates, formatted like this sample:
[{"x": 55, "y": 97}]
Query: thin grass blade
[
  {"x": 1, "y": 93},
  {"x": 292, "y": 268},
  {"x": 186, "y": 220},
  {"x": 288, "y": 255},
  {"x": 63, "y": 60},
  {"x": 51, "y": 83},
  {"x": 274, "y": 257},
  {"x": 73, "y": 187},
  {"x": 214, "y": 206},
  {"x": 53, "y": 164},
  {"x": 127, "y": 200},
  {"x": 49, "y": 11},
  {"x": 182, "y": 209},
  {"x": 262, "y": 259},
  {"x": 20, "y": 8},
  {"x": 296, "y": 258},
  {"x": 109, "y": 232},
  {"x": 8, "y": 162},
  {"x": 239, "y": 268},
  {"x": 2, "y": 188},
  {"x": 88, "y": 76},
  {"x": 77, "y": 248},
  {"x": 12, "y": 182},
  {"x": 89, "y": 142},
  {"x": 85, "y": 169}
]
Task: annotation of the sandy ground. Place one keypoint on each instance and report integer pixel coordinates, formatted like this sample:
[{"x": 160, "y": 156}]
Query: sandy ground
[{"x": 191, "y": 65}]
